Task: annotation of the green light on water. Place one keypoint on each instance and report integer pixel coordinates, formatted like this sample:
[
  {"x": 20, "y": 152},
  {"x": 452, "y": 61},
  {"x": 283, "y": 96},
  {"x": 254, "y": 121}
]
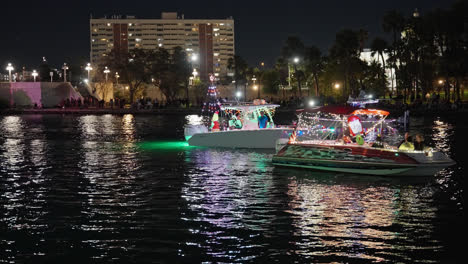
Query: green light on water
[{"x": 165, "y": 145}]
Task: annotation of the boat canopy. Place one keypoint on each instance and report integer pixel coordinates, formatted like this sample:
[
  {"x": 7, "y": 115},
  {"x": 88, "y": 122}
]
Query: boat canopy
[{"x": 370, "y": 112}]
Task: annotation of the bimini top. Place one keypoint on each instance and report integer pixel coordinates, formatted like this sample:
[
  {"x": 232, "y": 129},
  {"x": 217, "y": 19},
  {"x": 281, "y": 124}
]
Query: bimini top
[{"x": 344, "y": 110}]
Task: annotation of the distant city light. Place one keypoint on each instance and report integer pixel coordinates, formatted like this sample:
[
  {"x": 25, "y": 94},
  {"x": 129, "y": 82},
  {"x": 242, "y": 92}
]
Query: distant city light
[{"x": 34, "y": 74}]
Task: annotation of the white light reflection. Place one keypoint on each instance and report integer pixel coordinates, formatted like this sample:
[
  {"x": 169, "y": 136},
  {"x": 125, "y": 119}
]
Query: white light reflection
[
  {"x": 108, "y": 167},
  {"x": 332, "y": 218},
  {"x": 441, "y": 134},
  {"x": 226, "y": 190},
  {"x": 22, "y": 161}
]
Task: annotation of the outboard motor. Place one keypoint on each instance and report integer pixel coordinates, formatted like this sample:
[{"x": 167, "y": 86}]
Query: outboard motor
[{"x": 190, "y": 130}]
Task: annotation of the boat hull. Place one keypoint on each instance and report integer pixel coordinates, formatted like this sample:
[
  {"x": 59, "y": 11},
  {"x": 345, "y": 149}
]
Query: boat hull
[
  {"x": 361, "y": 160},
  {"x": 257, "y": 139}
]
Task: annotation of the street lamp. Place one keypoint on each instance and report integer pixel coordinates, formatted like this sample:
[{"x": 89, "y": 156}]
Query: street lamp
[
  {"x": 34, "y": 74},
  {"x": 194, "y": 73},
  {"x": 9, "y": 68},
  {"x": 89, "y": 68},
  {"x": 106, "y": 72},
  {"x": 117, "y": 76},
  {"x": 65, "y": 68},
  {"x": 255, "y": 86},
  {"x": 194, "y": 57},
  {"x": 337, "y": 86},
  {"x": 238, "y": 95},
  {"x": 296, "y": 61}
]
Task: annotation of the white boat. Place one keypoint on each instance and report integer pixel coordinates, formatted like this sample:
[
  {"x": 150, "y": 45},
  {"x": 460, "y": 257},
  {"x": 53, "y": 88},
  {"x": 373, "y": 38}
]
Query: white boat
[
  {"x": 318, "y": 147},
  {"x": 248, "y": 136}
]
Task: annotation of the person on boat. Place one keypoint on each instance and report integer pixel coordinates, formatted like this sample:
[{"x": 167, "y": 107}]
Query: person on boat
[
  {"x": 263, "y": 120},
  {"x": 215, "y": 122},
  {"x": 235, "y": 123},
  {"x": 360, "y": 140},
  {"x": 378, "y": 142},
  {"x": 407, "y": 144},
  {"x": 419, "y": 142}
]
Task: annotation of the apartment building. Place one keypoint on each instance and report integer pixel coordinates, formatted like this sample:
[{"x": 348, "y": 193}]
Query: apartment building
[{"x": 209, "y": 43}]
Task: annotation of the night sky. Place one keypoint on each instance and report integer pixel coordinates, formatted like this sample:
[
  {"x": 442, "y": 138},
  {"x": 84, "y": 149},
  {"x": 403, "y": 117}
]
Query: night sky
[{"x": 59, "y": 30}]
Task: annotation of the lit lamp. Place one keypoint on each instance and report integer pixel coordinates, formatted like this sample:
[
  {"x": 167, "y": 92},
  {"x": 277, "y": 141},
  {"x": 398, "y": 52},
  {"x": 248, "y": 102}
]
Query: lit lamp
[
  {"x": 106, "y": 72},
  {"x": 296, "y": 61},
  {"x": 65, "y": 68},
  {"x": 194, "y": 57},
  {"x": 89, "y": 68},
  {"x": 194, "y": 73},
  {"x": 9, "y": 68},
  {"x": 117, "y": 76},
  {"x": 238, "y": 94},
  {"x": 34, "y": 74},
  {"x": 255, "y": 86},
  {"x": 337, "y": 86},
  {"x": 441, "y": 81}
]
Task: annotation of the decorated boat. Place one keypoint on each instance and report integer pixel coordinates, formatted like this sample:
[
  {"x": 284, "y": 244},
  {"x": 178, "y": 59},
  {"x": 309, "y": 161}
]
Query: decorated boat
[
  {"x": 355, "y": 140},
  {"x": 238, "y": 125}
]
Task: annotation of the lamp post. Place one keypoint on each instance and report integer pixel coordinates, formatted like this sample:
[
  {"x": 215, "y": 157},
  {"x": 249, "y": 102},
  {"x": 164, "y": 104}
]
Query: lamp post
[
  {"x": 296, "y": 61},
  {"x": 88, "y": 68},
  {"x": 51, "y": 74},
  {"x": 34, "y": 74},
  {"x": 106, "y": 72},
  {"x": 117, "y": 76},
  {"x": 255, "y": 86},
  {"x": 65, "y": 68},
  {"x": 238, "y": 95},
  {"x": 9, "y": 68}
]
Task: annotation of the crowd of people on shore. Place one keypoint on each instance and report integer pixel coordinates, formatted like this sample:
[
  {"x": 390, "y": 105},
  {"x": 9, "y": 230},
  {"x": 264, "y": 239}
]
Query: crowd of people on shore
[{"x": 431, "y": 103}]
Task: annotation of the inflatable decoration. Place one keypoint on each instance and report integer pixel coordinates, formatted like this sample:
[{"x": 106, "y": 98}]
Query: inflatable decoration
[{"x": 355, "y": 126}]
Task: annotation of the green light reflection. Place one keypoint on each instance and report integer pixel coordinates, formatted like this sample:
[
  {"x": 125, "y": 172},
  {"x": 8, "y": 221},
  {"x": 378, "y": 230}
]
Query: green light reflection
[{"x": 165, "y": 145}]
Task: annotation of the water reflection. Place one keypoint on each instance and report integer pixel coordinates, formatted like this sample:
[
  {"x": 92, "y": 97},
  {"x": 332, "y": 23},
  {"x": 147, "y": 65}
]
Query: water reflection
[
  {"x": 227, "y": 190},
  {"x": 109, "y": 170},
  {"x": 125, "y": 188},
  {"x": 442, "y": 132}
]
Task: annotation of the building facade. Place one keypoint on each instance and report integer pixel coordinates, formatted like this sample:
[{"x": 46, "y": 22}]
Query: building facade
[{"x": 209, "y": 43}]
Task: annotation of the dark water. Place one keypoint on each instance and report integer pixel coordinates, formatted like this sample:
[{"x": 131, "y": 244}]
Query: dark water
[{"x": 126, "y": 189}]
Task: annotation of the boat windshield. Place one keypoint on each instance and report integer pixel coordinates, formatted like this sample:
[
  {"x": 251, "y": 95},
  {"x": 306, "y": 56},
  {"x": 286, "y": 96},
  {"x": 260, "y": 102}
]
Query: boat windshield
[
  {"x": 248, "y": 114},
  {"x": 329, "y": 127}
]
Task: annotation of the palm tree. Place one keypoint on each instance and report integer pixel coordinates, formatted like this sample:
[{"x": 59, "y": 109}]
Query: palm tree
[
  {"x": 343, "y": 51},
  {"x": 394, "y": 22},
  {"x": 314, "y": 65},
  {"x": 293, "y": 51},
  {"x": 379, "y": 46},
  {"x": 240, "y": 67}
]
